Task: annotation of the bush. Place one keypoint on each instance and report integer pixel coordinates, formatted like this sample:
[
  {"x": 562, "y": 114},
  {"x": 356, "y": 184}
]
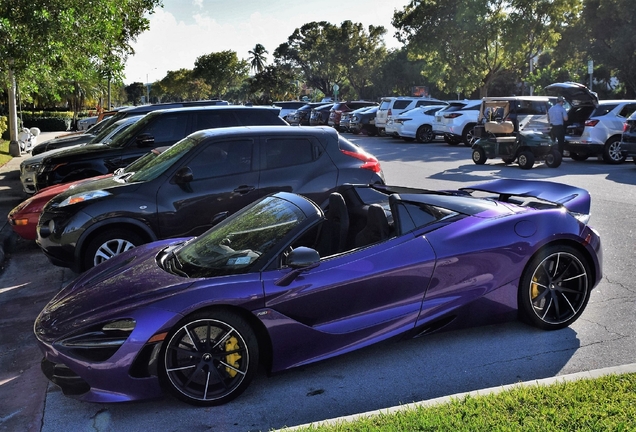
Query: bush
[
  {"x": 49, "y": 121},
  {"x": 4, "y": 127}
]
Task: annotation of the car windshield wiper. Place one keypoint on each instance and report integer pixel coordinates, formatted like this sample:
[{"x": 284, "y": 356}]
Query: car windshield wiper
[{"x": 172, "y": 264}]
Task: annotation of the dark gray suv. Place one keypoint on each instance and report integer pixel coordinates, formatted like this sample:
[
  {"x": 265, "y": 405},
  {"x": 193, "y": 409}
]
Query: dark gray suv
[{"x": 195, "y": 184}]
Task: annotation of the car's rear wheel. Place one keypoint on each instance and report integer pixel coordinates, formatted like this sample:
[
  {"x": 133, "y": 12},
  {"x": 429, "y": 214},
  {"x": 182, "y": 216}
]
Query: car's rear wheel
[
  {"x": 612, "y": 152},
  {"x": 526, "y": 160},
  {"x": 479, "y": 155},
  {"x": 554, "y": 288},
  {"x": 553, "y": 159},
  {"x": 109, "y": 244},
  {"x": 209, "y": 358},
  {"x": 468, "y": 136},
  {"x": 424, "y": 134}
]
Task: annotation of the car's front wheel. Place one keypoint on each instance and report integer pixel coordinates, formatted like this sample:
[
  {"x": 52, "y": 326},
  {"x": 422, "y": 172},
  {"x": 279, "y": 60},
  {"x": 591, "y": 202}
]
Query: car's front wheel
[
  {"x": 109, "y": 244},
  {"x": 209, "y": 358},
  {"x": 553, "y": 159},
  {"x": 554, "y": 288},
  {"x": 612, "y": 152}
]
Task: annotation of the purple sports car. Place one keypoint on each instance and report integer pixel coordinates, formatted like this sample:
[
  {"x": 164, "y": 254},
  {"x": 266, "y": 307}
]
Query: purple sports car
[{"x": 285, "y": 284}]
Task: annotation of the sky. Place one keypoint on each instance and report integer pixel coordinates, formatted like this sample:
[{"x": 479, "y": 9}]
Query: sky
[{"x": 183, "y": 30}]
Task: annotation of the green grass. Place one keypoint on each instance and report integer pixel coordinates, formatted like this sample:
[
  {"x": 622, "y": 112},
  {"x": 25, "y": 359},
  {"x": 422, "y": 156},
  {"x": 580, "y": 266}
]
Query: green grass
[{"x": 603, "y": 404}]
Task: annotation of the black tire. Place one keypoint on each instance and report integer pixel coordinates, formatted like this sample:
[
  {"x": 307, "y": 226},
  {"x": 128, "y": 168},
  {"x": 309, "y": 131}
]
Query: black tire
[
  {"x": 479, "y": 155},
  {"x": 424, "y": 134},
  {"x": 216, "y": 367},
  {"x": 553, "y": 159},
  {"x": 554, "y": 288},
  {"x": 508, "y": 160},
  {"x": 450, "y": 141},
  {"x": 468, "y": 136},
  {"x": 578, "y": 157},
  {"x": 526, "y": 160},
  {"x": 109, "y": 244},
  {"x": 612, "y": 152}
]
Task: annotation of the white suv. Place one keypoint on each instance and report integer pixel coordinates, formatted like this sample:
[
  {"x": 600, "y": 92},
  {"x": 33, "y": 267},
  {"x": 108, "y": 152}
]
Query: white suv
[
  {"x": 457, "y": 120},
  {"x": 392, "y": 106},
  {"x": 601, "y": 132},
  {"x": 417, "y": 124}
]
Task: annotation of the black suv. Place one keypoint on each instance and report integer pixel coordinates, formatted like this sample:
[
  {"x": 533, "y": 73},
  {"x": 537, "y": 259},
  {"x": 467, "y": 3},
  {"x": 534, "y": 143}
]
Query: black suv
[
  {"x": 82, "y": 138},
  {"x": 195, "y": 184},
  {"x": 158, "y": 128}
]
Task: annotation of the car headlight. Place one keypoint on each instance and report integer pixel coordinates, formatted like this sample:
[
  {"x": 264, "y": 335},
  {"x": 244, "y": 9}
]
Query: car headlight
[
  {"x": 49, "y": 168},
  {"x": 101, "y": 342},
  {"x": 83, "y": 196}
]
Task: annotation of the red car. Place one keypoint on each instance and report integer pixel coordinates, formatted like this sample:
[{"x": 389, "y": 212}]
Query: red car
[{"x": 24, "y": 217}]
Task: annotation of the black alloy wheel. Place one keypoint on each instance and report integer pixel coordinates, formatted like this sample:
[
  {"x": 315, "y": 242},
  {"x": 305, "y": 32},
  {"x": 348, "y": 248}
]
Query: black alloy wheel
[
  {"x": 612, "y": 152},
  {"x": 424, "y": 134},
  {"x": 554, "y": 288},
  {"x": 209, "y": 358}
]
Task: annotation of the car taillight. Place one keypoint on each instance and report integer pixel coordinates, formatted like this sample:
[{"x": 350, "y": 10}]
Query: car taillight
[
  {"x": 389, "y": 113},
  {"x": 591, "y": 123},
  {"x": 369, "y": 162},
  {"x": 452, "y": 115},
  {"x": 625, "y": 127}
]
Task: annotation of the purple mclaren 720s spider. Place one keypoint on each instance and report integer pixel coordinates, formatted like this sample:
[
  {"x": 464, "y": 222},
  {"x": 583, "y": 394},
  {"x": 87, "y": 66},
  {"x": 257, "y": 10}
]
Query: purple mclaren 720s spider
[{"x": 284, "y": 283}]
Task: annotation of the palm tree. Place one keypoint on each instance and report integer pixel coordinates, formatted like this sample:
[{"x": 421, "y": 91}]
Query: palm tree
[{"x": 257, "y": 58}]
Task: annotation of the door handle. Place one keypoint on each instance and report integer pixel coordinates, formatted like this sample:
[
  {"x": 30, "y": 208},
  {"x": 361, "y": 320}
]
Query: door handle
[{"x": 244, "y": 189}]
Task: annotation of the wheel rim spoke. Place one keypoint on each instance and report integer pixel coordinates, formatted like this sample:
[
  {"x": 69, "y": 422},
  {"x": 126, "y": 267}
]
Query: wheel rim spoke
[{"x": 562, "y": 281}]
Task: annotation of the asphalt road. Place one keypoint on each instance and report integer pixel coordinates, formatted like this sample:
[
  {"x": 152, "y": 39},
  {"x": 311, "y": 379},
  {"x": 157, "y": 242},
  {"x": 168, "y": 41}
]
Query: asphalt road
[{"x": 387, "y": 374}]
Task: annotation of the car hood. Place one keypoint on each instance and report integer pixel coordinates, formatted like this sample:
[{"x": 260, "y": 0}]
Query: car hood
[
  {"x": 72, "y": 139},
  {"x": 109, "y": 289},
  {"x": 80, "y": 152},
  {"x": 106, "y": 182},
  {"x": 576, "y": 94}
]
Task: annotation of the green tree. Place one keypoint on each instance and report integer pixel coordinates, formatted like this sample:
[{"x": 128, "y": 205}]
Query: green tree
[
  {"x": 258, "y": 58},
  {"x": 274, "y": 83},
  {"x": 611, "y": 38},
  {"x": 313, "y": 49},
  {"x": 221, "y": 71},
  {"x": 41, "y": 38},
  {"x": 467, "y": 44}
]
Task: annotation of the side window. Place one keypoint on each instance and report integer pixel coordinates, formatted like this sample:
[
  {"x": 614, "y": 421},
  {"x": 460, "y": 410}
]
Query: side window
[
  {"x": 222, "y": 158},
  {"x": 214, "y": 119},
  {"x": 282, "y": 152},
  {"x": 420, "y": 103},
  {"x": 401, "y": 104},
  {"x": 168, "y": 129},
  {"x": 627, "y": 110}
]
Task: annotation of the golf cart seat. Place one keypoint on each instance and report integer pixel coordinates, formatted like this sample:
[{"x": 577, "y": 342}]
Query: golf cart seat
[{"x": 504, "y": 127}]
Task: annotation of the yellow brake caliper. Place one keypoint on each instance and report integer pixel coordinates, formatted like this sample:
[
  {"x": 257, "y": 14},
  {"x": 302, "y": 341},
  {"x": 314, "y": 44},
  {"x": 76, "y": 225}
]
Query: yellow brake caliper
[
  {"x": 232, "y": 359},
  {"x": 534, "y": 288}
]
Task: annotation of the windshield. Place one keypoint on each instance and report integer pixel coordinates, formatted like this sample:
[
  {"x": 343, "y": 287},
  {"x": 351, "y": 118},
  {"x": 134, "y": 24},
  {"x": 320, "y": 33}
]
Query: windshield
[
  {"x": 107, "y": 134},
  {"x": 236, "y": 244},
  {"x": 154, "y": 168},
  {"x": 130, "y": 132}
]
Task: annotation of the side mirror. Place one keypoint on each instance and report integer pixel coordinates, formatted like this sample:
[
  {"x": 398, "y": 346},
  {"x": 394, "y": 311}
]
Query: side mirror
[
  {"x": 145, "y": 140},
  {"x": 183, "y": 176},
  {"x": 300, "y": 260}
]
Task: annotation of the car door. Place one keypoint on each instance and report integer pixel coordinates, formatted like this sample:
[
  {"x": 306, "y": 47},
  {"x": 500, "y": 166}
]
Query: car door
[
  {"x": 223, "y": 181},
  {"x": 297, "y": 164},
  {"x": 165, "y": 129},
  {"x": 348, "y": 300}
]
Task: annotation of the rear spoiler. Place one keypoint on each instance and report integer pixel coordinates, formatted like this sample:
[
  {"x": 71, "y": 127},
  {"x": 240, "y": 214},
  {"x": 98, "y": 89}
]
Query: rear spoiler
[{"x": 575, "y": 200}]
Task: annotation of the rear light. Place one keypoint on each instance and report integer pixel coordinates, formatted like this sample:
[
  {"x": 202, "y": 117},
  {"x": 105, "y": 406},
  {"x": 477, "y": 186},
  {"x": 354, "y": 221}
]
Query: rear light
[
  {"x": 389, "y": 113},
  {"x": 625, "y": 127},
  {"x": 591, "y": 123},
  {"x": 370, "y": 162},
  {"x": 452, "y": 115}
]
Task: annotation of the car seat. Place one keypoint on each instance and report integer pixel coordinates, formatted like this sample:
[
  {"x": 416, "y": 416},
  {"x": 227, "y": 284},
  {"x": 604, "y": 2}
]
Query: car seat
[
  {"x": 334, "y": 230},
  {"x": 376, "y": 229}
]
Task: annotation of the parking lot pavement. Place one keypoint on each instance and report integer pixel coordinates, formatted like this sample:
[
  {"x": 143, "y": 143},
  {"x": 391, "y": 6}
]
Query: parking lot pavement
[{"x": 26, "y": 285}]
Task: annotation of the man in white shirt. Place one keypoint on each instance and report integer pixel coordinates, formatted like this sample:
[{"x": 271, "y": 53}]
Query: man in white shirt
[{"x": 557, "y": 116}]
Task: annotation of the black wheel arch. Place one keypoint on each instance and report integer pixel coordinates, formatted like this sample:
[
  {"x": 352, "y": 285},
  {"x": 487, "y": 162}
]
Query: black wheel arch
[{"x": 136, "y": 226}]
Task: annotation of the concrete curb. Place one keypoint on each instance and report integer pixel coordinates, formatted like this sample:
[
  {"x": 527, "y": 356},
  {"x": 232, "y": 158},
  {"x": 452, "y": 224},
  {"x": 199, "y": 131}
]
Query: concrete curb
[{"x": 597, "y": 373}]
